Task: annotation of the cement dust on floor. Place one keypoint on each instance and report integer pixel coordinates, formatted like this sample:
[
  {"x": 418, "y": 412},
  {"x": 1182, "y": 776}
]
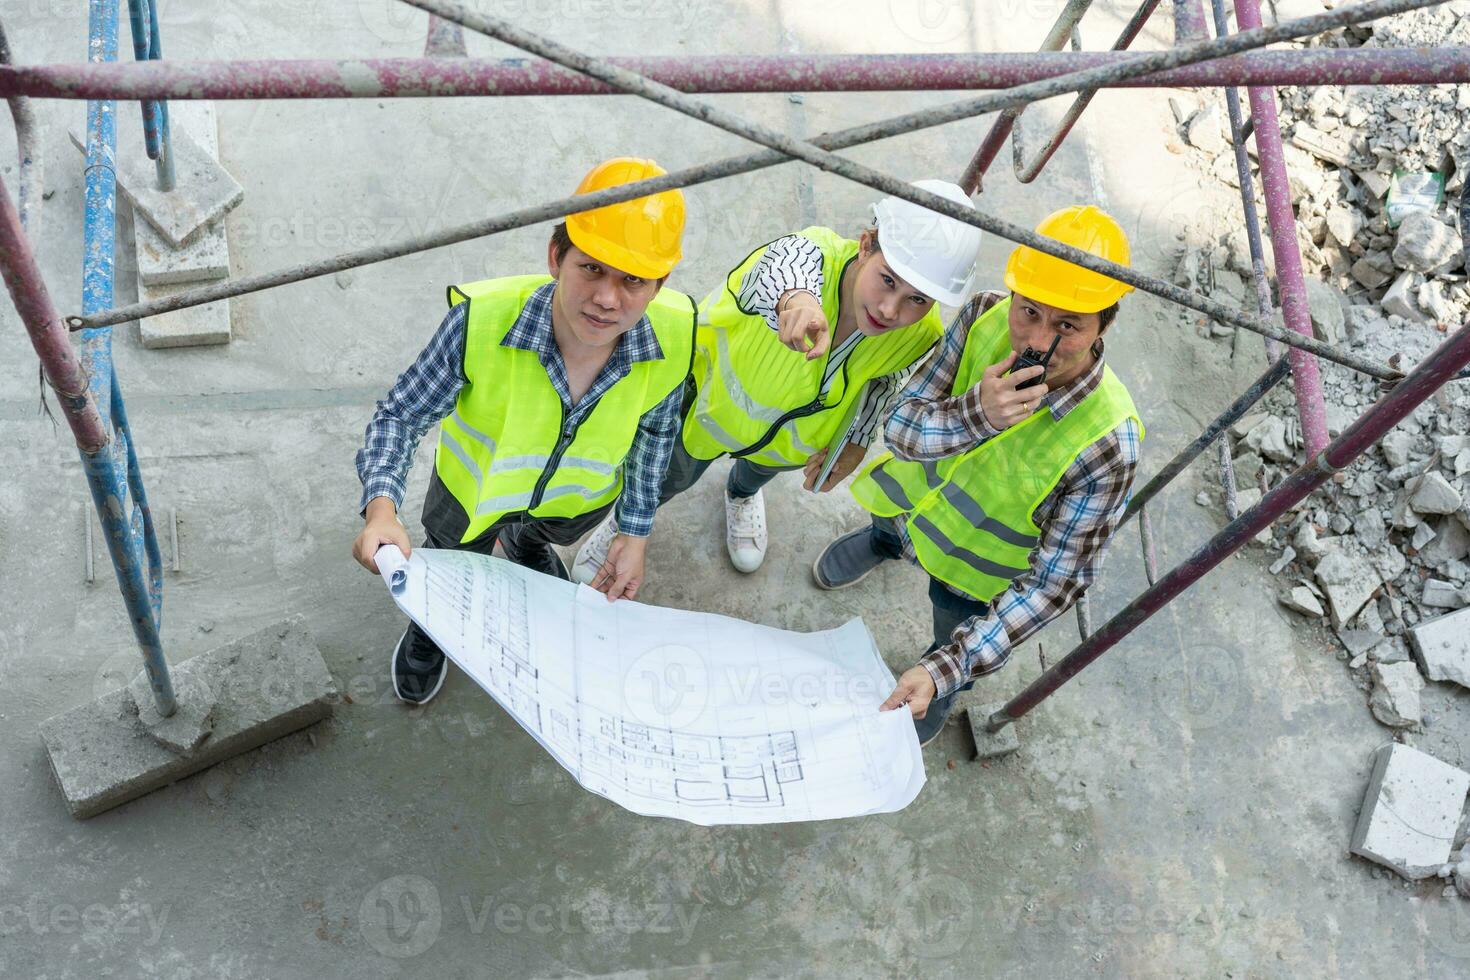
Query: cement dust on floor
[{"x": 1184, "y": 807}]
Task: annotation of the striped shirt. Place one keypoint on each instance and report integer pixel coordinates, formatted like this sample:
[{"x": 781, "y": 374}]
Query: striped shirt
[
  {"x": 1077, "y": 518},
  {"x": 427, "y": 392},
  {"x": 795, "y": 262}
]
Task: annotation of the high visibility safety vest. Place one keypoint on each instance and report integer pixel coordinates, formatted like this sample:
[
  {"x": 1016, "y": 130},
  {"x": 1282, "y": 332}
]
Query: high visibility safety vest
[
  {"x": 970, "y": 516},
  {"x": 506, "y": 446},
  {"x": 761, "y": 400}
]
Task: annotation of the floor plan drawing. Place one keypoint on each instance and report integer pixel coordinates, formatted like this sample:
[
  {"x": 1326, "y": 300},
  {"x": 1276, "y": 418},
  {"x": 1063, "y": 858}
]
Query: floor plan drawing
[{"x": 669, "y": 712}]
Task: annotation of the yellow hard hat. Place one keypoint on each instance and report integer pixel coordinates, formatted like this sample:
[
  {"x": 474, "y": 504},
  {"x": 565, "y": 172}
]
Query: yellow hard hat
[
  {"x": 642, "y": 236},
  {"x": 1057, "y": 282}
]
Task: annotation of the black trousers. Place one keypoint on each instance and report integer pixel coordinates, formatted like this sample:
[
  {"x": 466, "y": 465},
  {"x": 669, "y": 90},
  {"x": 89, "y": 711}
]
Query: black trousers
[{"x": 445, "y": 522}]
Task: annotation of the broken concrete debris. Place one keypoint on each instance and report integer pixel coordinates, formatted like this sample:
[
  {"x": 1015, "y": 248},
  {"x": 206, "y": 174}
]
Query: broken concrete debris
[
  {"x": 1411, "y": 812},
  {"x": 1370, "y": 169},
  {"x": 1395, "y": 699},
  {"x": 1442, "y": 647},
  {"x": 1301, "y": 599}
]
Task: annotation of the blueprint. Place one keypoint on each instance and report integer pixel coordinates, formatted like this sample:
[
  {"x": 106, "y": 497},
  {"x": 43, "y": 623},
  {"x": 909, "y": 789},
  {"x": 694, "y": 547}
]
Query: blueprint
[{"x": 668, "y": 712}]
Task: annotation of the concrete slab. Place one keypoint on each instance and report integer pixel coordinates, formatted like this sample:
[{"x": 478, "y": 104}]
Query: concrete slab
[
  {"x": 1442, "y": 647},
  {"x": 1410, "y": 812},
  {"x": 267, "y": 684},
  {"x": 207, "y": 255},
  {"x": 194, "y": 326},
  {"x": 988, "y": 744},
  {"x": 193, "y": 718},
  {"x": 205, "y": 191}
]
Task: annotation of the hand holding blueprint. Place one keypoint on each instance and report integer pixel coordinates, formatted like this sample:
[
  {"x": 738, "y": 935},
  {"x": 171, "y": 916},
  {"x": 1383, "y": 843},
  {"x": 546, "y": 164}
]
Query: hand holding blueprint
[{"x": 667, "y": 712}]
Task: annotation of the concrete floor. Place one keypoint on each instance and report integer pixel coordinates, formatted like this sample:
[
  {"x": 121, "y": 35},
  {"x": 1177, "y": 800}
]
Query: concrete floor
[{"x": 1182, "y": 809}]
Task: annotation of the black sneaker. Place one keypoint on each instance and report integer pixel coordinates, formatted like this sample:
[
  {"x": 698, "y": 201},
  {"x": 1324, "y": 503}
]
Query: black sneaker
[
  {"x": 847, "y": 560},
  {"x": 418, "y": 667},
  {"x": 537, "y": 557}
]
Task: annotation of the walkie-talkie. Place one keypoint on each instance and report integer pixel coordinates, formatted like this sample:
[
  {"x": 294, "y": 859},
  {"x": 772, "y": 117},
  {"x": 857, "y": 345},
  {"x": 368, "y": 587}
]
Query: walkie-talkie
[{"x": 1033, "y": 358}]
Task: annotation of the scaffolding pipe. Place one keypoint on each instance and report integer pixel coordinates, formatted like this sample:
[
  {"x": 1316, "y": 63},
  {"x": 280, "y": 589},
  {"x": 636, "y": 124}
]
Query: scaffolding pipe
[
  {"x": 1306, "y": 375},
  {"x": 444, "y": 40},
  {"x": 138, "y": 26},
  {"x": 1189, "y": 21},
  {"x": 112, "y": 468},
  {"x": 28, "y": 152},
  {"x": 503, "y": 30},
  {"x": 1425, "y": 379},
  {"x": 439, "y": 77},
  {"x": 1242, "y": 404},
  {"x": 1240, "y": 130},
  {"x": 814, "y": 153},
  {"x": 1146, "y": 542},
  {"x": 59, "y": 361},
  {"x": 164, "y": 165},
  {"x": 1027, "y": 172},
  {"x": 973, "y": 179}
]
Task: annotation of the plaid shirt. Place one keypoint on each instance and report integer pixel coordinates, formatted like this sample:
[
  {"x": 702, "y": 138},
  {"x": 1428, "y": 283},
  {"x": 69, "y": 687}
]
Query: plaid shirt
[
  {"x": 1077, "y": 518},
  {"x": 427, "y": 391}
]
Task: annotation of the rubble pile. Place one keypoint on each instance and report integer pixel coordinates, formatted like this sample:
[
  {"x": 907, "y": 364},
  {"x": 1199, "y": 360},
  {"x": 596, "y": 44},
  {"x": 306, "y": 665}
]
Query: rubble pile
[
  {"x": 1371, "y": 169},
  {"x": 1382, "y": 553}
]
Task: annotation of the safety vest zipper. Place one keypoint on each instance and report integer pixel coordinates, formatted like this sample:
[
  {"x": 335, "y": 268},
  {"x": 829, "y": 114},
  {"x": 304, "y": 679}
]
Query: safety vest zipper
[
  {"x": 568, "y": 433},
  {"x": 810, "y": 408}
]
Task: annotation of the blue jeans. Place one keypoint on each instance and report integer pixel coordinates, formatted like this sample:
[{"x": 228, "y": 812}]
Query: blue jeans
[
  {"x": 950, "y": 610},
  {"x": 746, "y": 478}
]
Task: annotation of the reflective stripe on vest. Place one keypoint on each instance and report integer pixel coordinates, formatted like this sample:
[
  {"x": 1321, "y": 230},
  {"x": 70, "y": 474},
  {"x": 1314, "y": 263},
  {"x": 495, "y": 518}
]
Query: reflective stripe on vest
[
  {"x": 970, "y": 517},
  {"x": 742, "y": 400},
  {"x": 747, "y": 380},
  {"x": 506, "y": 447}
]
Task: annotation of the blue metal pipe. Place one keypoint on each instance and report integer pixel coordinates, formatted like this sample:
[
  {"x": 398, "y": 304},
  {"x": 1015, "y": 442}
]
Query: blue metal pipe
[
  {"x": 112, "y": 472},
  {"x": 138, "y": 22},
  {"x": 165, "y": 161}
]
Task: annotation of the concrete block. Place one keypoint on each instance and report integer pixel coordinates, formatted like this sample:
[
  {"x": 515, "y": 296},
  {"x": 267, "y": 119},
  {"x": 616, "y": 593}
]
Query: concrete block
[
  {"x": 1442, "y": 647},
  {"x": 988, "y": 744},
  {"x": 191, "y": 722},
  {"x": 207, "y": 255},
  {"x": 1410, "y": 812},
  {"x": 160, "y": 264},
  {"x": 194, "y": 326},
  {"x": 266, "y": 685},
  {"x": 204, "y": 191},
  {"x": 1349, "y": 582},
  {"x": 1395, "y": 699}
]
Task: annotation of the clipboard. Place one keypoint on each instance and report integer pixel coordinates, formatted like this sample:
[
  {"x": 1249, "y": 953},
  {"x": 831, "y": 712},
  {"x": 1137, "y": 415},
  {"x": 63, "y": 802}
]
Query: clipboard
[{"x": 849, "y": 424}]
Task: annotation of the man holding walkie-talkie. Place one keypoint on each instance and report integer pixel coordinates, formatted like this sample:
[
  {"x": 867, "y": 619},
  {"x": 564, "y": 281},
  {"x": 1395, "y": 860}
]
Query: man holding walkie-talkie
[{"x": 1012, "y": 453}]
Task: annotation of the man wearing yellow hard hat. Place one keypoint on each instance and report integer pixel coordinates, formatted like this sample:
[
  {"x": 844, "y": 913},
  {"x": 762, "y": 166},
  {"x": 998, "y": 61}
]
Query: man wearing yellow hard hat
[
  {"x": 558, "y": 398},
  {"x": 800, "y": 351},
  {"x": 1012, "y": 453}
]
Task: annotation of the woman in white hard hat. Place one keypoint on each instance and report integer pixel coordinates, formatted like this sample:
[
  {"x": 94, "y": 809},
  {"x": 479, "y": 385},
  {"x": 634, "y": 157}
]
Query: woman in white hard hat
[{"x": 800, "y": 353}]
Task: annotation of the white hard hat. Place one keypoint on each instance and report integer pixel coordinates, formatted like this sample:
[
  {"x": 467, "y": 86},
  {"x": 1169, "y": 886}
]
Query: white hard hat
[{"x": 933, "y": 252}]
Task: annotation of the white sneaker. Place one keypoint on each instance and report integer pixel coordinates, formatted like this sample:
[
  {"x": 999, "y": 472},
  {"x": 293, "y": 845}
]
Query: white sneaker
[
  {"x": 745, "y": 530},
  {"x": 594, "y": 550}
]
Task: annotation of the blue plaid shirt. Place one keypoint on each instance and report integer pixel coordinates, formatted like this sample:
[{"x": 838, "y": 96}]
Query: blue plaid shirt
[
  {"x": 427, "y": 391},
  {"x": 1077, "y": 518}
]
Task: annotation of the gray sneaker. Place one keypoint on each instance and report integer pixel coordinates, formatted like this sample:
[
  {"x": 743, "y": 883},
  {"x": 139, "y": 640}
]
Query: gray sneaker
[{"x": 847, "y": 560}]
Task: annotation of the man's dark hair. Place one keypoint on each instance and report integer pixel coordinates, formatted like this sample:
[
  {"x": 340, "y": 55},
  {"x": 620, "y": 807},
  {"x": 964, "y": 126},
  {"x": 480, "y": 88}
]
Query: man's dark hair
[
  {"x": 1107, "y": 317},
  {"x": 561, "y": 242}
]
